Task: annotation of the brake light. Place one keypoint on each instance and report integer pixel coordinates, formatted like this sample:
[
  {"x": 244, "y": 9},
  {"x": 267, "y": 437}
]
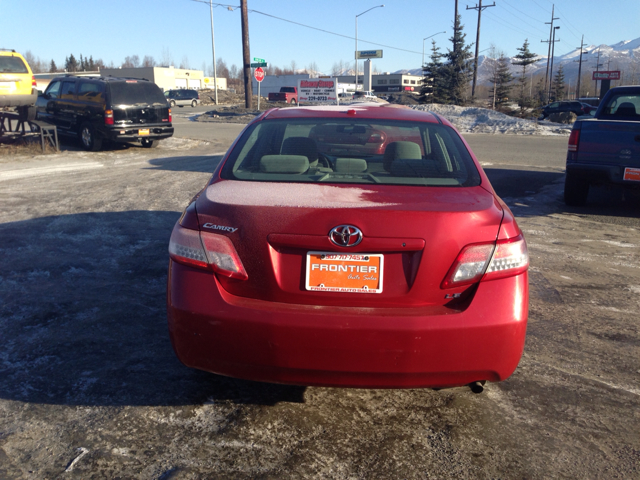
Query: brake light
[
  {"x": 33, "y": 81},
  {"x": 170, "y": 120},
  {"x": 488, "y": 261},
  {"x": 108, "y": 117},
  {"x": 574, "y": 140},
  {"x": 205, "y": 250}
]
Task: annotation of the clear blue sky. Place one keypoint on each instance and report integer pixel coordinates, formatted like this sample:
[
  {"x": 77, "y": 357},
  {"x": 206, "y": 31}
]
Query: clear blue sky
[{"x": 113, "y": 29}]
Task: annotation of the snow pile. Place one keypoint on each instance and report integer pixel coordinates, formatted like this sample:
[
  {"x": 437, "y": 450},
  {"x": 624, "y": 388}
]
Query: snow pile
[{"x": 483, "y": 120}]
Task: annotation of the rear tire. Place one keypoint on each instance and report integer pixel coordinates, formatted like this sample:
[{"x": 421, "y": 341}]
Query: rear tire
[
  {"x": 90, "y": 141},
  {"x": 293, "y": 101},
  {"x": 576, "y": 191},
  {"x": 147, "y": 143},
  {"x": 172, "y": 104},
  {"x": 194, "y": 104}
]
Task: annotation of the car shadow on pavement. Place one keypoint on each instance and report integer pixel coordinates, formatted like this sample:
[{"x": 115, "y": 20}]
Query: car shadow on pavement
[
  {"x": 514, "y": 183},
  {"x": 83, "y": 317},
  {"x": 205, "y": 163}
]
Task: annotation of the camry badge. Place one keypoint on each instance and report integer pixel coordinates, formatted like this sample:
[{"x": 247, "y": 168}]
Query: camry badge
[{"x": 345, "y": 235}]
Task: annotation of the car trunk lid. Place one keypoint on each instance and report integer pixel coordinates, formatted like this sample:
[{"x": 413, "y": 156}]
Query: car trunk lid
[{"x": 418, "y": 232}]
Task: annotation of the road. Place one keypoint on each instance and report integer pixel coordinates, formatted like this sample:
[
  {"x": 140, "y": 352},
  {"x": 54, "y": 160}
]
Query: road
[{"x": 90, "y": 388}]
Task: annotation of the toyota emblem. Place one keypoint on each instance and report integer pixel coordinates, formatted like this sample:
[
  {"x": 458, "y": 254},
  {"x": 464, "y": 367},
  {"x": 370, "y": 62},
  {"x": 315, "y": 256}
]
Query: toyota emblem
[{"x": 345, "y": 235}]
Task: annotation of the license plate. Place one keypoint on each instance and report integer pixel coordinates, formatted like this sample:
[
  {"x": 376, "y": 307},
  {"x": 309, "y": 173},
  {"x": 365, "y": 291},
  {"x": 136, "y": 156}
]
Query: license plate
[
  {"x": 143, "y": 131},
  {"x": 632, "y": 174},
  {"x": 11, "y": 86},
  {"x": 344, "y": 272}
]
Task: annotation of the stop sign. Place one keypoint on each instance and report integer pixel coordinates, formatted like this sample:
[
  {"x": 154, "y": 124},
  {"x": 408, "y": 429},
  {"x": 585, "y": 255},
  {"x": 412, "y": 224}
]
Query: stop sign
[{"x": 259, "y": 74}]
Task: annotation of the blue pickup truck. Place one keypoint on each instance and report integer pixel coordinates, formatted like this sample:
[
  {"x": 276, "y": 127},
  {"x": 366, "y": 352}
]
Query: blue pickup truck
[{"x": 605, "y": 149}]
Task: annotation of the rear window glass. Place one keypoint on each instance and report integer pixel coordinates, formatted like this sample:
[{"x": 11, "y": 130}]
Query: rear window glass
[
  {"x": 348, "y": 151},
  {"x": 623, "y": 105},
  {"x": 133, "y": 93},
  {"x": 12, "y": 65}
]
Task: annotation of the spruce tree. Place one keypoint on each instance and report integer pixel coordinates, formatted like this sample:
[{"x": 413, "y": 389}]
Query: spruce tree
[
  {"x": 558, "y": 84},
  {"x": 71, "y": 64},
  {"x": 524, "y": 59},
  {"x": 53, "y": 68},
  {"x": 501, "y": 79},
  {"x": 457, "y": 70},
  {"x": 432, "y": 89}
]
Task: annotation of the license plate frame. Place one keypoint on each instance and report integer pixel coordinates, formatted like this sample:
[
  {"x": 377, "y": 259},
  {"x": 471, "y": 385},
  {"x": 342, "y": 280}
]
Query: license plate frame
[
  {"x": 143, "y": 131},
  {"x": 631, "y": 174},
  {"x": 353, "y": 272}
]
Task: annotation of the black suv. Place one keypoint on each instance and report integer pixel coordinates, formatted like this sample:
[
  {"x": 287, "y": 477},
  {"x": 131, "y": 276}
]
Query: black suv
[
  {"x": 182, "y": 97},
  {"x": 567, "y": 106},
  {"x": 95, "y": 109}
]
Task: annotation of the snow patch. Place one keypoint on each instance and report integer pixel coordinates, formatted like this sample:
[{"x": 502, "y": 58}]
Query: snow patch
[{"x": 483, "y": 120}]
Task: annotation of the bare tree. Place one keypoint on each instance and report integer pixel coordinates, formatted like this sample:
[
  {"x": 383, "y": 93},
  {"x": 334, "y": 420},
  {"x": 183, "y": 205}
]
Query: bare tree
[
  {"x": 294, "y": 65},
  {"x": 132, "y": 61},
  {"x": 184, "y": 63},
  {"x": 148, "y": 61},
  {"x": 167, "y": 58},
  {"x": 221, "y": 68}
]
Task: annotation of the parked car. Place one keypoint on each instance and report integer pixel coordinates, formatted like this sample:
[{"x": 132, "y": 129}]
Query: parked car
[
  {"x": 95, "y": 109},
  {"x": 566, "y": 106},
  {"x": 182, "y": 97},
  {"x": 605, "y": 149},
  {"x": 309, "y": 259},
  {"x": 345, "y": 96},
  {"x": 286, "y": 94},
  {"x": 17, "y": 84},
  {"x": 364, "y": 94}
]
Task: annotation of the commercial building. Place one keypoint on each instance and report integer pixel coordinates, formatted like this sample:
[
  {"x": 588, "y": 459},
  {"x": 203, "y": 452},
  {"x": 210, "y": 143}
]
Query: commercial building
[{"x": 167, "y": 78}]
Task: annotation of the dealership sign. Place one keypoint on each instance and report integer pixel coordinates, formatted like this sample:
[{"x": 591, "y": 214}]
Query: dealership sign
[
  {"x": 317, "y": 90},
  {"x": 612, "y": 75},
  {"x": 368, "y": 54}
]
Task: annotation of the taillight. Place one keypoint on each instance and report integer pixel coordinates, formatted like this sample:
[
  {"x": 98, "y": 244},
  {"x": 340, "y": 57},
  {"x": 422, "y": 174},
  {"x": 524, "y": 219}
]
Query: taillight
[
  {"x": 206, "y": 250},
  {"x": 108, "y": 117},
  {"x": 170, "y": 116},
  {"x": 33, "y": 81},
  {"x": 574, "y": 140},
  {"x": 488, "y": 261}
]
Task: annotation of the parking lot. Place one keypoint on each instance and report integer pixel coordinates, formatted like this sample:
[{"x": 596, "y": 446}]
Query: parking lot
[{"x": 90, "y": 387}]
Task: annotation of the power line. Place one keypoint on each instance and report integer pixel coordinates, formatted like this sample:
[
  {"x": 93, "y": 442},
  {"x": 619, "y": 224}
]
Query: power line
[
  {"x": 520, "y": 18},
  {"x": 511, "y": 6},
  {"x": 502, "y": 22}
]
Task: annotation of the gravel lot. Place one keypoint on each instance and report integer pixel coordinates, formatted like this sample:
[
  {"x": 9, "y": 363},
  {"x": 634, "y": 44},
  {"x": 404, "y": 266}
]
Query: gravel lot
[{"x": 90, "y": 387}]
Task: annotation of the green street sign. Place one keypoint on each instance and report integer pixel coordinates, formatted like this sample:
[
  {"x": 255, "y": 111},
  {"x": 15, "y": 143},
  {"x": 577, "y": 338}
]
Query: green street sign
[
  {"x": 256, "y": 65},
  {"x": 259, "y": 60}
]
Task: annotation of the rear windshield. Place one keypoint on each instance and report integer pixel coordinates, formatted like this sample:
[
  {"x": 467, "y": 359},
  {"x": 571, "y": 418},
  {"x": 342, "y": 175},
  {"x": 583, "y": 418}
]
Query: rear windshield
[
  {"x": 348, "y": 151},
  {"x": 132, "y": 92},
  {"x": 623, "y": 105},
  {"x": 12, "y": 65}
]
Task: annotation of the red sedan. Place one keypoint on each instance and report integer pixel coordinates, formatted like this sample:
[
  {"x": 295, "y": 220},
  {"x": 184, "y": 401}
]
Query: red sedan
[{"x": 313, "y": 258}]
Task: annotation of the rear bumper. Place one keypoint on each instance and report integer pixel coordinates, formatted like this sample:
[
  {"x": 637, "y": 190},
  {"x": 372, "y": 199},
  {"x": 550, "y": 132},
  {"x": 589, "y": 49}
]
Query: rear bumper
[
  {"x": 348, "y": 347},
  {"x": 600, "y": 173},
  {"x": 123, "y": 135},
  {"x": 19, "y": 100}
]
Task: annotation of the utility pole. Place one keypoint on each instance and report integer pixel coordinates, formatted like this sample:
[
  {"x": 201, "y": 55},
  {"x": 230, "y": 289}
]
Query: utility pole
[
  {"x": 598, "y": 65},
  {"x": 246, "y": 62},
  {"x": 580, "y": 66},
  {"x": 213, "y": 47},
  {"x": 478, "y": 7},
  {"x": 553, "y": 49},
  {"x": 546, "y": 75}
]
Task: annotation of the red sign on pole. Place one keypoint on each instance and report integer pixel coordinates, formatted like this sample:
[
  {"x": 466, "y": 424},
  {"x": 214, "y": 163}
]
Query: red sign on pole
[
  {"x": 259, "y": 74},
  {"x": 606, "y": 75}
]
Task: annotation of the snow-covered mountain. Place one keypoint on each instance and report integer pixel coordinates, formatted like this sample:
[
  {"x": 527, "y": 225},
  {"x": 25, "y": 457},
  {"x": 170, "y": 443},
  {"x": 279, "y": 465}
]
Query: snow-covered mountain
[{"x": 624, "y": 56}]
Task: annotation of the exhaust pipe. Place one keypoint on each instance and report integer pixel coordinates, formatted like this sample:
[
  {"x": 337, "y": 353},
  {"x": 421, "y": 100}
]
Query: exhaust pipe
[{"x": 477, "y": 387}]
